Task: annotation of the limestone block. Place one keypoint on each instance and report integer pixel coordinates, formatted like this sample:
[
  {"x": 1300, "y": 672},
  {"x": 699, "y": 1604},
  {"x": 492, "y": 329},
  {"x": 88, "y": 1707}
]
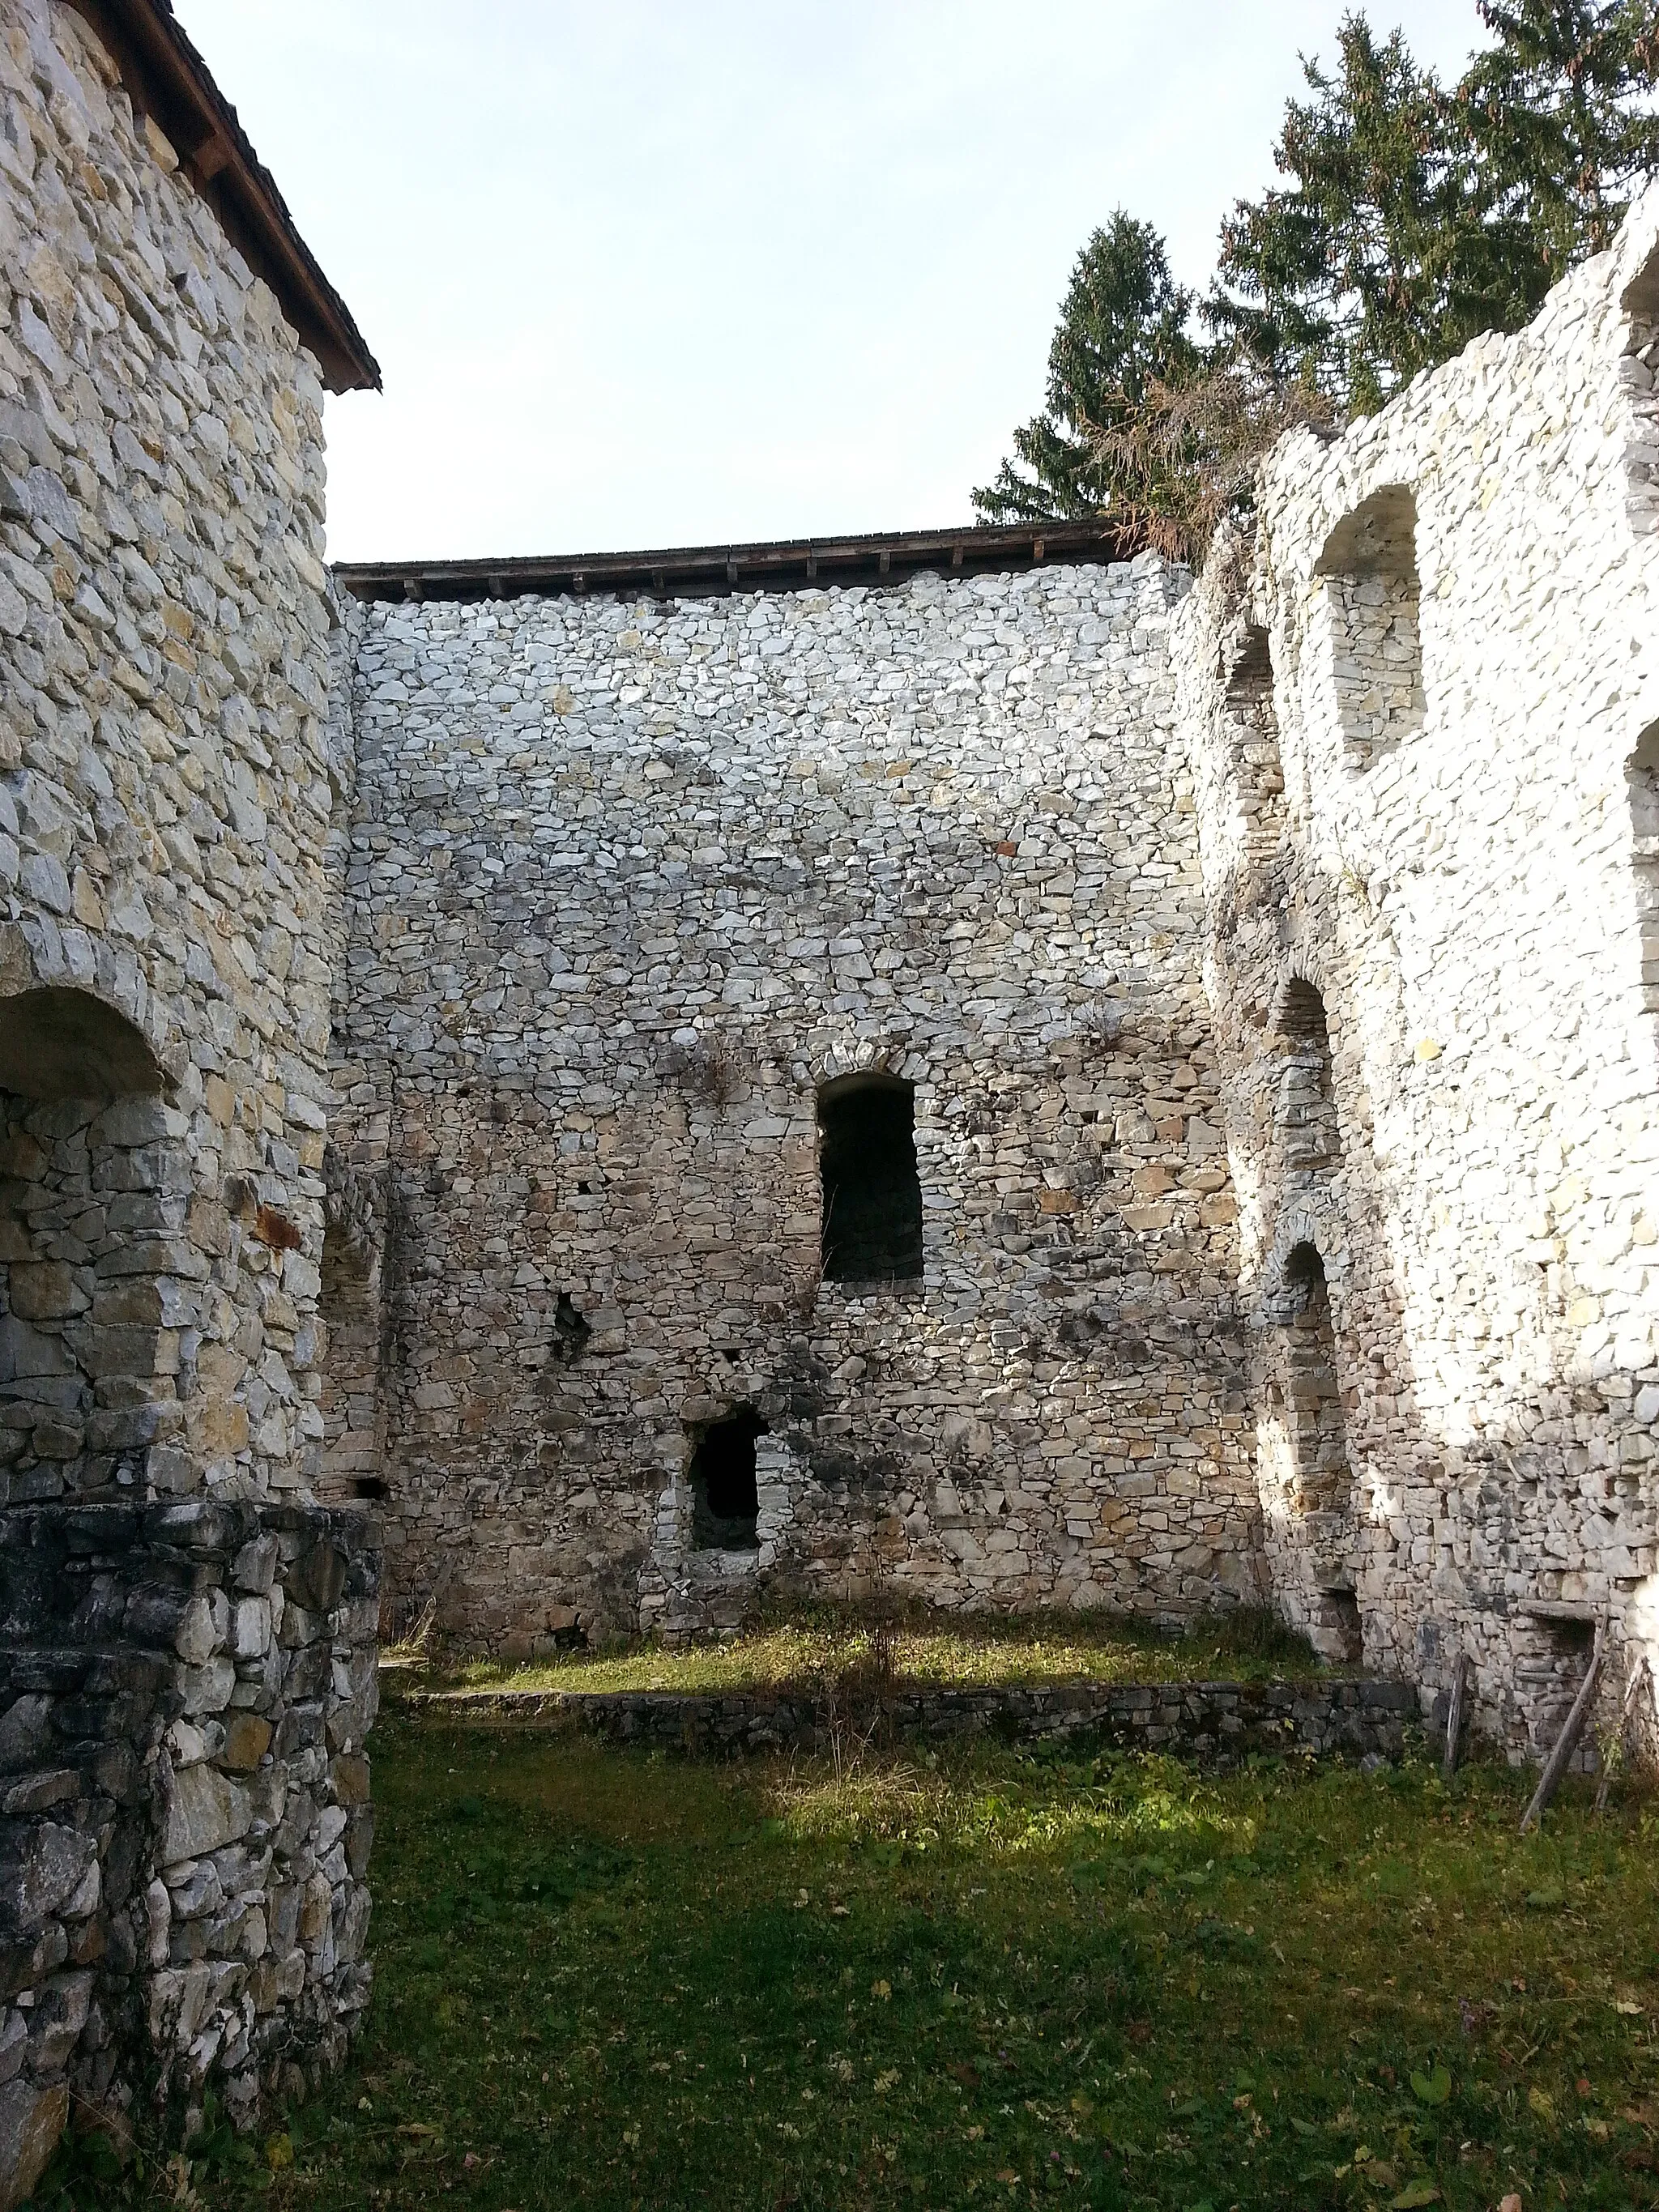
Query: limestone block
[
  {"x": 203, "y": 1810},
  {"x": 32, "y": 2121}
]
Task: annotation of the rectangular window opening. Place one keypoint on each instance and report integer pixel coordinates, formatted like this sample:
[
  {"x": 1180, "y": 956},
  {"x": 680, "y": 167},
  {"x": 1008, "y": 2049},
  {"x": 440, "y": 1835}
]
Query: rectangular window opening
[
  {"x": 724, "y": 1498},
  {"x": 871, "y": 1188}
]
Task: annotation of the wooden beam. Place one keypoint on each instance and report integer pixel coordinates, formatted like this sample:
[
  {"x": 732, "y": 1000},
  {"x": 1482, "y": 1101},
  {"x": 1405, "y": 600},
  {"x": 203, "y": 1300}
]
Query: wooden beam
[
  {"x": 1454, "y": 1715},
  {"x": 1556, "y": 1765}
]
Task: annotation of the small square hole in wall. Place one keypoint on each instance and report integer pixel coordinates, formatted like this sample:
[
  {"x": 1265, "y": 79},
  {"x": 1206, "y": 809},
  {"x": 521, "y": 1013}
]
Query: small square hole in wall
[
  {"x": 1343, "y": 1638},
  {"x": 725, "y": 1503}
]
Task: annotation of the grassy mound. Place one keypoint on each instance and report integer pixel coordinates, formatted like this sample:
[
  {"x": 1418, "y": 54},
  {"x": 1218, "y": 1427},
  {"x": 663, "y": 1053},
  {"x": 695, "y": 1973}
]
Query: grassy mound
[{"x": 813, "y": 1648}]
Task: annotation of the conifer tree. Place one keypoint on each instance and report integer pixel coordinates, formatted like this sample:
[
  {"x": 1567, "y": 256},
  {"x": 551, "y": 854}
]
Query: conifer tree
[
  {"x": 1415, "y": 218},
  {"x": 1411, "y": 219},
  {"x": 1559, "y": 113},
  {"x": 1123, "y": 324}
]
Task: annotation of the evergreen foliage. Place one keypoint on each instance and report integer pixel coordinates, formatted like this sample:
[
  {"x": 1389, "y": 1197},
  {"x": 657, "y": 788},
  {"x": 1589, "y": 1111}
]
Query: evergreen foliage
[
  {"x": 1123, "y": 325},
  {"x": 1416, "y": 218},
  {"x": 1410, "y": 219}
]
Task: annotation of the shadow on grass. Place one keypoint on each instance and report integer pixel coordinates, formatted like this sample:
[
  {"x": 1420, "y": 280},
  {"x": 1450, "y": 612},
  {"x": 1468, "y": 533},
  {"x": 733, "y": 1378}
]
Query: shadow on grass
[
  {"x": 610, "y": 1980},
  {"x": 808, "y": 1650}
]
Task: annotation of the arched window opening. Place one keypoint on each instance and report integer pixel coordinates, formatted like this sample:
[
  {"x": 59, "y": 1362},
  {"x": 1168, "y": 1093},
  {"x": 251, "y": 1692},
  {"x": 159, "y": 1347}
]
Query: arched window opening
[
  {"x": 59, "y": 1044},
  {"x": 725, "y": 1501},
  {"x": 1323, "y": 1480},
  {"x": 1369, "y": 565},
  {"x": 353, "y": 1403},
  {"x": 1641, "y": 772},
  {"x": 1310, "y": 1144},
  {"x": 871, "y": 1191},
  {"x": 1253, "y": 729},
  {"x": 91, "y": 1165}
]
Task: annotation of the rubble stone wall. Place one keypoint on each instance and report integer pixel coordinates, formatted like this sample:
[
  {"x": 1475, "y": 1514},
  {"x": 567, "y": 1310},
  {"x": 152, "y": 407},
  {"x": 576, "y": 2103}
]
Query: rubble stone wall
[
  {"x": 1216, "y": 1723},
  {"x": 184, "y": 1822},
  {"x": 629, "y": 882},
  {"x": 165, "y": 982},
  {"x": 1431, "y": 825}
]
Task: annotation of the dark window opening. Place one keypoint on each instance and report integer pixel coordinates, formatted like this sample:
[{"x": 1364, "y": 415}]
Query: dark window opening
[
  {"x": 571, "y": 1329},
  {"x": 871, "y": 1192},
  {"x": 725, "y": 1504}
]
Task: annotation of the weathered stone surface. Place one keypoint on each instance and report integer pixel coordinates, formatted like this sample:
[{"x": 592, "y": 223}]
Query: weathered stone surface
[
  {"x": 1213, "y": 1722},
  {"x": 44, "y": 1868},
  {"x": 203, "y": 1810},
  {"x": 32, "y": 2121},
  {"x": 1422, "y": 702},
  {"x": 247, "y": 1739},
  {"x": 1276, "y": 964},
  {"x": 629, "y": 882},
  {"x": 166, "y": 949}
]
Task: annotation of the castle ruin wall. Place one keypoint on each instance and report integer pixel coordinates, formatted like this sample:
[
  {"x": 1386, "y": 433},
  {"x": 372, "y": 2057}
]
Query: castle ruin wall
[
  {"x": 186, "y": 1645},
  {"x": 631, "y": 884},
  {"x": 1431, "y": 828}
]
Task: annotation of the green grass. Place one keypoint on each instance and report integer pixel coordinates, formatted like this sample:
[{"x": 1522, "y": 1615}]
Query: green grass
[
  {"x": 618, "y": 1979},
  {"x": 930, "y": 1649}
]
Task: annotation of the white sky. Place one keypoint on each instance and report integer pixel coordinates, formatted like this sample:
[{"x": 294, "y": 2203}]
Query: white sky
[{"x": 668, "y": 272}]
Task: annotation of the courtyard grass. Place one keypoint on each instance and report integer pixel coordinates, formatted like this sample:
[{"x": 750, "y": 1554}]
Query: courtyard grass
[
  {"x": 611, "y": 1979},
  {"x": 927, "y": 1649}
]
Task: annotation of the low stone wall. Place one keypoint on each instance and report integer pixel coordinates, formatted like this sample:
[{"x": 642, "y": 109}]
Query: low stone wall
[
  {"x": 1212, "y": 1721},
  {"x": 185, "y": 1823}
]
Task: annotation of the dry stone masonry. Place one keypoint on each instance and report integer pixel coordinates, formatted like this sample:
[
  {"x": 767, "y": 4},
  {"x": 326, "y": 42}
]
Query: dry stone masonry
[
  {"x": 1422, "y": 703},
  {"x": 652, "y": 905},
  {"x": 186, "y": 1640},
  {"x": 975, "y": 1069},
  {"x": 1248, "y": 989}
]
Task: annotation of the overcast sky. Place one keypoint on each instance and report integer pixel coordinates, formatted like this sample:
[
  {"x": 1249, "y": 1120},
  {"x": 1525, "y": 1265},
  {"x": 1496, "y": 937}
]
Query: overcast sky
[{"x": 669, "y": 272}]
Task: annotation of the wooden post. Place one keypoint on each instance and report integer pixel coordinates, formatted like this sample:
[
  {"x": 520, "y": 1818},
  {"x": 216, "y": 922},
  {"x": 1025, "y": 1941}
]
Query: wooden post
[
  {"x": 1633, "y": 1683},
  {"x": 1454, "y": 1715},
  {"x": 1556, "y": 1765}
]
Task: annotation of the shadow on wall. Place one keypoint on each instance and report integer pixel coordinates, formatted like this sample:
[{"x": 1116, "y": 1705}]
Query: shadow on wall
[
  {"x": 93, "y": 1167},
  {"x": 353, "y": 1403}
]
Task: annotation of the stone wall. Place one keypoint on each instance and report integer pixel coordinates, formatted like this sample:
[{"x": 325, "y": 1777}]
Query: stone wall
[
  {"x": 182, "y": 1845},
  {"x": 1215, "y": 1724},
  {"x": 165, "y": 980},
  {"x": 1426, "y": 836},
  {"x": 631, "y": 884}
]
